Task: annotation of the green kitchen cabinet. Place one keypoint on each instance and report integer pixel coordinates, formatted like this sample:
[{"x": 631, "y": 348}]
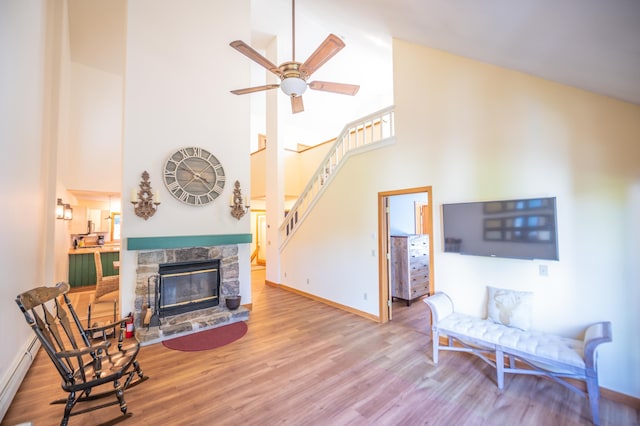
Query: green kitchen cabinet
[{"x": 82, "y": 269}]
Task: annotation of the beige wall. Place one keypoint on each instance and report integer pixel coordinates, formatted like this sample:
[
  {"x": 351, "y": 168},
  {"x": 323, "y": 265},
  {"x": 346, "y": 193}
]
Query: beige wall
[
  {"x": 478, "y": 132},
  {"x": 299, "y": 167},
  {"x": 484, "y": 132},
  {"x": 308, "y": 162}
]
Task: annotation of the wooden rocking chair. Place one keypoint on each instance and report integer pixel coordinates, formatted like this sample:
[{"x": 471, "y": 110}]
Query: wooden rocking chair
[{"x": 83, "y": 363}]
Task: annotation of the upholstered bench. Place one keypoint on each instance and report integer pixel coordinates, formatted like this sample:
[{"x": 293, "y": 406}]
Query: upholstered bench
[{"x": 498, "y": 336}]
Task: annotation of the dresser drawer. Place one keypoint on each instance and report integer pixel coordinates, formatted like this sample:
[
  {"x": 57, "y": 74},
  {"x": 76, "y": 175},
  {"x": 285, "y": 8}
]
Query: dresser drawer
[
  {"x": 419, "y": 271},
  {"x": 420, "y": 280},
  {"x": 419, "y": 290},
  {"x": 419, "y": 262},
  {"x": 418, "y": 251}
]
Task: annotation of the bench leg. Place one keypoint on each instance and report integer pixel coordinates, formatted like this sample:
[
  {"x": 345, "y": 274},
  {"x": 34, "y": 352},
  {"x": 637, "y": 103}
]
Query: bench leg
[
  {"x": 435, "y": 337},
  {"x": 594, "y": 398},
  {"x": 500, "y": 368}
]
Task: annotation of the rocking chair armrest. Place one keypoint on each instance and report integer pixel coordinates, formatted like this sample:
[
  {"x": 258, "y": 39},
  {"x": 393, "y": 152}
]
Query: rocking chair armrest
[{"x": 84, "y": 351}]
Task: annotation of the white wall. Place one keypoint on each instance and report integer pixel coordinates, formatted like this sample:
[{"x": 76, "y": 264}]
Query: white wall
[
  {"x": 30, "y": 51},
  {"x": 92, "y": 153},
  {"x": 402, "y": 213},
  {"x": 179, "y": 70},
  {"x": 475, "y": 132}
]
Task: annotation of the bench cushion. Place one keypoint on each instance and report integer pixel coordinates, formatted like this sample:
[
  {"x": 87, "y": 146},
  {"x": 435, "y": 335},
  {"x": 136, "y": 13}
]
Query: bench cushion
[{"x": 545, "y": 347}]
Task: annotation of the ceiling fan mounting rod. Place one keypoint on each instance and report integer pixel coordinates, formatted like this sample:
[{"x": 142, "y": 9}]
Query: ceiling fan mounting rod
[{"x": 293, "y": 30}]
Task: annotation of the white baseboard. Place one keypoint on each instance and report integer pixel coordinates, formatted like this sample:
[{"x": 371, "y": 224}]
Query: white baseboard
[{"x": 16, "y": 374}]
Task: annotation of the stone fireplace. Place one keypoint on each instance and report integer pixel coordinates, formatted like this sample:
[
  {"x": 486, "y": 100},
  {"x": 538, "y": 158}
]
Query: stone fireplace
[{"x": 206, "y": 276}]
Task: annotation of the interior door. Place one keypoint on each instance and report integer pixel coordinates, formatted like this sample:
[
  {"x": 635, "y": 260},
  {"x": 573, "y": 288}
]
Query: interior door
[
  {"x": 388, "y": 260},
  {"x": 384, "y": 258},
  {"x": 423, "y": 218},
  {"x": 261, "y": 236},
  {"x": 421, "y": 215}
]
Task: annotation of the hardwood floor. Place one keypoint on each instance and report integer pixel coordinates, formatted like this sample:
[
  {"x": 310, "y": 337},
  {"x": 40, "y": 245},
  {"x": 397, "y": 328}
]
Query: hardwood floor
[{"x": 305, "y": 363}]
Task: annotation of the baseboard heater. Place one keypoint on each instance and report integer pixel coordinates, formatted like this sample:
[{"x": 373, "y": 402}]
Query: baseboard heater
[{"x": 16, "y": 374}]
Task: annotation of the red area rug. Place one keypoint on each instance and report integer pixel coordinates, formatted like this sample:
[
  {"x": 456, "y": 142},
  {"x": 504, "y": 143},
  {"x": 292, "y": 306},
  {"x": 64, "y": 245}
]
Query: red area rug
[{"x": 208, "y": 339}]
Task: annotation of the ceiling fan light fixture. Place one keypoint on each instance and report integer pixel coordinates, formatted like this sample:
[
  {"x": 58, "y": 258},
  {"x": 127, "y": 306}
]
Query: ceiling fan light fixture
[
  {"x": 293, "y": 86},
  {"x": 294, "y": 75}
]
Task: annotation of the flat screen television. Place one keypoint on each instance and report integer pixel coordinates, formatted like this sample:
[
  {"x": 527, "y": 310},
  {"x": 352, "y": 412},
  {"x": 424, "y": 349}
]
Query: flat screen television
[{"x": 520, "y": 229}]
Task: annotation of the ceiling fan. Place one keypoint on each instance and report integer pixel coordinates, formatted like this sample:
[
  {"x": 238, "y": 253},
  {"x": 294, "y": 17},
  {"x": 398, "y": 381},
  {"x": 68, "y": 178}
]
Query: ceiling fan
[{"x": 294, "y": 75}]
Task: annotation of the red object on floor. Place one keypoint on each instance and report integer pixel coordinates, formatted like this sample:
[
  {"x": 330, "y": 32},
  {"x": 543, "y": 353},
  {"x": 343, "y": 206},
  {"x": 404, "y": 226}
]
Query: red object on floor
[
  {"x": 129, "y": 324},
  {"x": 208, "y": 339}
]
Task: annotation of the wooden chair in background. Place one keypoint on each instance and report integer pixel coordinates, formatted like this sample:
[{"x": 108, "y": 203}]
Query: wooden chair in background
[
  {"x": 104, "y": 285},
  {"x": 82, "y": 362}
]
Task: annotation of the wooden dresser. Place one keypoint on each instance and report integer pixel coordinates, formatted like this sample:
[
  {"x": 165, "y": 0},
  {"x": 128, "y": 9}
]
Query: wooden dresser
[{"x": 409, "y": 267}]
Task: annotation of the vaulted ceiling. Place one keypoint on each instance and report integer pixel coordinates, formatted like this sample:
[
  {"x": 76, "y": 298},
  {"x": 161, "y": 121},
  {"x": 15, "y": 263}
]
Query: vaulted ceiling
[{"x": 589, "y": 44}]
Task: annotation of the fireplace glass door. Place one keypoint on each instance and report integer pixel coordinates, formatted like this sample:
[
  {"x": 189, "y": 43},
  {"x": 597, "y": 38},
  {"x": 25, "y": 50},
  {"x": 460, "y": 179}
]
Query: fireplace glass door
[{"x": 188, "y": 286}]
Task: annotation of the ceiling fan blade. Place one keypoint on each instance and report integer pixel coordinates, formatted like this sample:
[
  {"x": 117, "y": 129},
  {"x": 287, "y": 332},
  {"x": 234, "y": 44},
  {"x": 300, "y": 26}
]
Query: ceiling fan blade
[
  {"x": 327, "y": 86},
  {"x": 254, "y": 89},
  {"x": 296, "y": 104},
  {"x": 329, "y": 47},
  {"x": 250, "y": 53}
]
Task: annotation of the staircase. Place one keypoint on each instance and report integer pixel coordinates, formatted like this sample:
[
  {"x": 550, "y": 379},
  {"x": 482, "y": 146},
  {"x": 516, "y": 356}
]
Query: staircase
[{"x": 373, "y": 131}]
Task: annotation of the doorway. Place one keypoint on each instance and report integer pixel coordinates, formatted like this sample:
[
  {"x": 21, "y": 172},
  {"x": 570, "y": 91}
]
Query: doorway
[
  {"x": 415, "y": 216},
  {"x": 258, "y": 244}
]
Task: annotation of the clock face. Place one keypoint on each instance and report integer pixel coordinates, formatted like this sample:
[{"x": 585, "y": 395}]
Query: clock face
[{"x": 194, "y": 176}]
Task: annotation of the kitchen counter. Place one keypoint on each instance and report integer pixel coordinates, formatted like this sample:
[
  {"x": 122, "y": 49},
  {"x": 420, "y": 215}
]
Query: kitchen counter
[
  {"x": 107, "y": 248},
  {"x": 82, "y": 264}
]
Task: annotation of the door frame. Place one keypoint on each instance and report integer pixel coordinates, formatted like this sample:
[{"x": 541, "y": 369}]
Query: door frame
[
  {"x": 261, "y": 232},
  {"x": 384, "y": 257}
]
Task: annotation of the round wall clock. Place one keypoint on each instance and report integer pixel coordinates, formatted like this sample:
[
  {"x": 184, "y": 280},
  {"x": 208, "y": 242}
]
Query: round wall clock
[{"x": 194, "y": 176}]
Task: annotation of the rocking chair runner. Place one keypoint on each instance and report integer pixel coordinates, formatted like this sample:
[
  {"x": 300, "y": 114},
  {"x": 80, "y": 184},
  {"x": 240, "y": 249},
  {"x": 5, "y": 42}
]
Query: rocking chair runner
[{"x": 84, "y": 363}]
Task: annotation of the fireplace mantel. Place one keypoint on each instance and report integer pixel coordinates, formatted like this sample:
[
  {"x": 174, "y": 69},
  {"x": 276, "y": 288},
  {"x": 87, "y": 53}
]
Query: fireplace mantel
[{"x": 185, "y": 241}]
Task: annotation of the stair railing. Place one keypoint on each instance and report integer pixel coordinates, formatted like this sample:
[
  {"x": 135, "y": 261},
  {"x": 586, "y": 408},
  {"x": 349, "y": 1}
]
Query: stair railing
[{"x": 369, "y": 132}]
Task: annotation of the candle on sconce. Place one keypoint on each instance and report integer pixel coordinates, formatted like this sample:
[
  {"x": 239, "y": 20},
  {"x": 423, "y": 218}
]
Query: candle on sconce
[
  {"x": 156, "y": 196},
  {"x": 232, "y": 201},
  {"x": 134, "y": 196}
]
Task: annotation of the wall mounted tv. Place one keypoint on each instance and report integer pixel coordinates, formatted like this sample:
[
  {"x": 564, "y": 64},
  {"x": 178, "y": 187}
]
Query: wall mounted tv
[{"x": 520, "y": 229}]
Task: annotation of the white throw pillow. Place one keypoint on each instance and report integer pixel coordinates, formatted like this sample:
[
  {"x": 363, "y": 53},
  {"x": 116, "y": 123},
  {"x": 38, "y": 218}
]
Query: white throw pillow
[{"x": 509, "y": 307}]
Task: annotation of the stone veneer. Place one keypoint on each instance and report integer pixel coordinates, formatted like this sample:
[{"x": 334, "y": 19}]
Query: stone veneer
[{"x": 188, "y": 322}]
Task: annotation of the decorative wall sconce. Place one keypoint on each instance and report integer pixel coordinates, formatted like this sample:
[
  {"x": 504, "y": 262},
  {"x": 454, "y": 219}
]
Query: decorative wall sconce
[
  {"x": 68, "y": 212},
  {"x": 60, "y": 209},
  {"x": 143, "y": 201},
  {"x": 63, "y": 211},
  {"x": 238, "y": 208}
]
